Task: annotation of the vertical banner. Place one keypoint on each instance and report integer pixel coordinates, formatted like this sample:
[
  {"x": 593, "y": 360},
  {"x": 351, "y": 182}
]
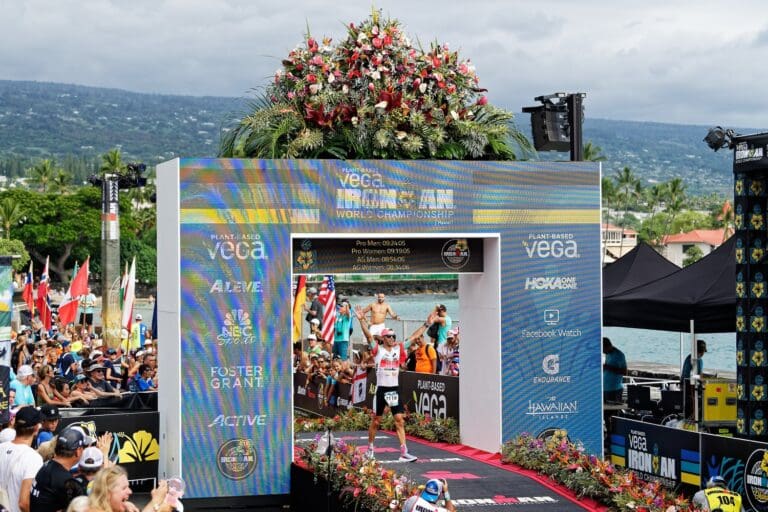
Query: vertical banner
[
  {"x": 236, "y": 223},
  {"x": 6, "y": 311},
  {"x": 750, "y": 202}
]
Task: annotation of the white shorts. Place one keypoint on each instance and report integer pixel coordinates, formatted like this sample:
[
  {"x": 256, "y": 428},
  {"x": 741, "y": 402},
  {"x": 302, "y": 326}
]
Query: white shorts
[{"x": 375, "y": 329}]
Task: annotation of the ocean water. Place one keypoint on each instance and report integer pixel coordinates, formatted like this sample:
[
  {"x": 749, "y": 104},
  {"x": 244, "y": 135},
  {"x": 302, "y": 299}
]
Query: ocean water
[{"x": 661, "y": 347}]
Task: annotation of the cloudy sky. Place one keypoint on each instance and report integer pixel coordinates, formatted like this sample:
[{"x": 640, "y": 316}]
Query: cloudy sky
[{"x": 678, "y": 61}]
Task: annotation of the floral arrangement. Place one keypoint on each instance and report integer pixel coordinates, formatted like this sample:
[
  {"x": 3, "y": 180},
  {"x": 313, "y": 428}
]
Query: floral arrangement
[
  {"x": 374, "y": 95},
  {"x": 418, "y": 425},
  {"x": 362, "y": 484},
  {"x": 588, "y": 476}
]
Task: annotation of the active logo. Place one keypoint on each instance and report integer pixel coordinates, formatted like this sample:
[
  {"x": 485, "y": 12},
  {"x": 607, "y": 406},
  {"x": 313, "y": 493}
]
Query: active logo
[
  {"x": 239, "y": 420},
  {"x": 455, "y": 253},
  {"x": 236, "y": 459},
  {"x": 551, "y": 283}
]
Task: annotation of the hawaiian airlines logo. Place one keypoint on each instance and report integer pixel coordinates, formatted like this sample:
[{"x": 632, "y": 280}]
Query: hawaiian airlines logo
[
  {"x": 237, "y": 329},
  {"x": 552, "y": 408},
  {"x": 551, "y": 245},
  {"x": 236, "y": 247},
  {"x": 551, "y": 283}
]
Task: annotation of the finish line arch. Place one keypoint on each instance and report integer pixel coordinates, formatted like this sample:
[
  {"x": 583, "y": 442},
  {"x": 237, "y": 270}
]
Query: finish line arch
[{"x": 530, "y": 321}]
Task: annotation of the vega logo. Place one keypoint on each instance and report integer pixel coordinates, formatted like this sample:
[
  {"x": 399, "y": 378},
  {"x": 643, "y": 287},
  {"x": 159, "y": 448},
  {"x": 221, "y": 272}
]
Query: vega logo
[
  {"x": 236, "y": 247},
  {"x": 551, "y": 245}
]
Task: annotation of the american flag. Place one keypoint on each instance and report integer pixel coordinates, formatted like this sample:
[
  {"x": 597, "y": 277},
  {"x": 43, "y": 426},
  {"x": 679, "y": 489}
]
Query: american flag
[{"x": 327, "y": 297}]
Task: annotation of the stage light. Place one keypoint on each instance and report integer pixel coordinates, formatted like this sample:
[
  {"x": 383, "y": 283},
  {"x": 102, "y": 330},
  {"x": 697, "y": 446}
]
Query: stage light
[
  {"x": 718, "y": 137},
  {"x": 556, "y": 123}
]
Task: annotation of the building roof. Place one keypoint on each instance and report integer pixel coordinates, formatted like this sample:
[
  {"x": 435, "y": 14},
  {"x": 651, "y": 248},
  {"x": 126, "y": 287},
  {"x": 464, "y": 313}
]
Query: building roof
[
  {"x": 713, "y": 237},
  {"x": 611, "y": 227}
]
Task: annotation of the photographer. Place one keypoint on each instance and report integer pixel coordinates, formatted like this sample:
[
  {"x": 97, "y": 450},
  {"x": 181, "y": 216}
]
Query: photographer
[{"x": 427, "y": 501}]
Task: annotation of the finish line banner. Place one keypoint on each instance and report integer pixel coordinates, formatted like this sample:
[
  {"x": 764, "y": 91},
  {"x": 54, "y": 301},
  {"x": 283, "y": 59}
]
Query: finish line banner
[{"x": 229, "y": 232}]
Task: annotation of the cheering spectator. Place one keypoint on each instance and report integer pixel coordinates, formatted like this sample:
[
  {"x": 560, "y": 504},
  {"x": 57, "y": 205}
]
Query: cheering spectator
[{"x": 19, "y": 462}]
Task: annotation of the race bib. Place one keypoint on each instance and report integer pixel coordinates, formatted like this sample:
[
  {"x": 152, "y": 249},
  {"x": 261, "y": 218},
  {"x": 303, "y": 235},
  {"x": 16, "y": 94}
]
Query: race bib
[{"x": 392, "y": 398}]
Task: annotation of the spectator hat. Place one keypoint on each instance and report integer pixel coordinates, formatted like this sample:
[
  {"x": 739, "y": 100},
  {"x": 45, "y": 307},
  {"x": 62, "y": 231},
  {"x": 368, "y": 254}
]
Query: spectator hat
[
  {"x": 7, "y": 434},
  {"x": 312, "y": 337},
  {"x": 111, "y": 351},
  {"x": 64, "y": 342},
  {"x": 95, "y": 367},
  {"x": 96, "y": 353},
  {"x": 139, "y": 317},
  {"x": 92, "y": 458},
  {"x": 79, "y": 378},
  {"x": 312, "y": 291},
  {"x": 432, "y": 490},
  {"x": 87, "y": 439},
  {"x": 70, "y": 439},
  {"x": 55, "y": 328},
  {"x": 387, "y": 332},
  {"x": 50, "y": 412},
  {"x": 315, "y": 321},
  {"x": 25, "y": 371},
  {"x": 452, "y": 333},
  {"x": 28, "y": 416}
]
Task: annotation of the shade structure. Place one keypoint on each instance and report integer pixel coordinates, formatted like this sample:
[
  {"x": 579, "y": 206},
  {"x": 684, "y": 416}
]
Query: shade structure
[
  {"x": 704, "y": 292},
  {"x": 641, "y": 265}
]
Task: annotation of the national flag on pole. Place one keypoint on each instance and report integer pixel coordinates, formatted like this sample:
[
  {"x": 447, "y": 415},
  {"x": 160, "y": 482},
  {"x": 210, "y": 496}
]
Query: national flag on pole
[
  {"x": 298, "y": 306},
  {"x": 28, "y": 294},
  {"x": 327, "y": 296},
  {"x": 130, "y": 297},
  {"x": 123, "y": 283},
  {"x": 359, "y": 382},
  {"x": 78, "y": 287},
  {"x": 43, "y": 307}
]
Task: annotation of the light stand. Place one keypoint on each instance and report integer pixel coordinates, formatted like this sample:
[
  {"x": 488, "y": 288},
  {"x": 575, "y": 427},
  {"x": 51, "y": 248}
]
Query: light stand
[{"x": 557, "y": 123}]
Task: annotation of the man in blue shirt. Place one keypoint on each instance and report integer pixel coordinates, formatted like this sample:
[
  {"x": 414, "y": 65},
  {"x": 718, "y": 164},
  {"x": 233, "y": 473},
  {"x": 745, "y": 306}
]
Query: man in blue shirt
[
  {"x": 22, "y": 384},
  {"x": 614, "y": 369},
  {"x": 144, "y": 379},
  {"x": 341, "y": 336}
]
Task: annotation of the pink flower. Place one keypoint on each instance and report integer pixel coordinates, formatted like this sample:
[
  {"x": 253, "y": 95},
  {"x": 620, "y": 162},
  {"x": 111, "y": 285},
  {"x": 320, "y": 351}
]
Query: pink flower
[
  {"x": 311, "y": 78},
  {"x": 317, "y": 60},
  {"x": 482, "y": 100}
]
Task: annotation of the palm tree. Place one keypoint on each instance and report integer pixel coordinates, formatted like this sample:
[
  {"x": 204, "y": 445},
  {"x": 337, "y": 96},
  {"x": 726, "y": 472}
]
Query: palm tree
[
  {"x": 112, "y": 162},
  {"x": 675, "y": 200},
  {"x": 11, "y": 214},
  {"x": 60, "y": 182},
  {"x": 628, "y": 189},
  {"x": 608, "y": 195},
  {"x": 42, "y": 173},
  {"x": 593, "y": 153},
  {"x": 654, "y": 198}
]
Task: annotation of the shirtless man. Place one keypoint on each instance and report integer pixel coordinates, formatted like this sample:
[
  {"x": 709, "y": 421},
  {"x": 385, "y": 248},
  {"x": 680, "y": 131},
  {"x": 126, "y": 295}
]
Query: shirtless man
[{"x": 379, "y": 311}]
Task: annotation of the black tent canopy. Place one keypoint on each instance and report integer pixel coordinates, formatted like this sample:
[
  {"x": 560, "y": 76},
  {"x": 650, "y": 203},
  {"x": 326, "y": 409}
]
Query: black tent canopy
[
  {"x": 704, "y": 292},
  {"x": 639, "y": 266}
]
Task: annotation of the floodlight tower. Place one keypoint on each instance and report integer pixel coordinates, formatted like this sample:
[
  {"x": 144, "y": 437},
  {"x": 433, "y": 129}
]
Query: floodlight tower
[{"x": 111, "y": 184}]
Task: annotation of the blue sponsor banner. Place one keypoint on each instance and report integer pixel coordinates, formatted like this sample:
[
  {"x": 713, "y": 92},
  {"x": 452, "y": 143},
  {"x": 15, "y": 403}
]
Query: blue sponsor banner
[
  {"x": 237, "y": 220},
  {"x": 657, "y": 453},
  {"x": 742, "y": 463}
]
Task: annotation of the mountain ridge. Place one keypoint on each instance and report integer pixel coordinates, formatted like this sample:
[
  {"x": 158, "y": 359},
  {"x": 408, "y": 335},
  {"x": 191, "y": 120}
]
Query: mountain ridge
[{"x": 48, "y": 119}]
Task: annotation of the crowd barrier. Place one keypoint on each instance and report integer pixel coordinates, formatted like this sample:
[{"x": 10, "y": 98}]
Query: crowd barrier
[
  {"x": 135, "y": 439},
  {"x": 434, "y": 395},
  {"x": 687, "y": 459}
]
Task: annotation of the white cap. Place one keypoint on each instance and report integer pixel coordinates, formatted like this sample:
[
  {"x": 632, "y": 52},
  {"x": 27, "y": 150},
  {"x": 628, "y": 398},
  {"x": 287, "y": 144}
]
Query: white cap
[
  {"x": 25, "y": 370},
  {"x": 92, "y": 458},
  {"x": 315, "y": 321},
  {"x": 312, "y": 337},
  {"x": 138, "y": 316},
  {"x": 7, "y": 434}
]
